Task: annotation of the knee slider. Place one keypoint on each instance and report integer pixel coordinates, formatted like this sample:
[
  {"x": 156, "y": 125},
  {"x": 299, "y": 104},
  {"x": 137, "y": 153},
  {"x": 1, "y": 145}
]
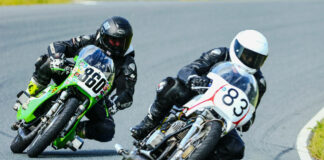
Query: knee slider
[
  {"x": 167, "y": 89},
  {"x": 107, "y": 132}
]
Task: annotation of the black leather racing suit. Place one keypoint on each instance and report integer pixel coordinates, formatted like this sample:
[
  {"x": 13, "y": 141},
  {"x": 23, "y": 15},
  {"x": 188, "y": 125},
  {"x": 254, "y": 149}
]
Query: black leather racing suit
[
  {"x": 173, "y": 91},
  {"x": 99, "y": 127}
]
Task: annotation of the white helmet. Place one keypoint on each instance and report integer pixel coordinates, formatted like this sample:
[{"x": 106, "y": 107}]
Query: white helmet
[{"x": 249, "y": 50}]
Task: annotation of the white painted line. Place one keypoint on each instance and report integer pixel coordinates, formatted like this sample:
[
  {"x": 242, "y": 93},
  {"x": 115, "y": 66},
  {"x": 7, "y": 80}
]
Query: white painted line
[{"x": 305, "y": 134}]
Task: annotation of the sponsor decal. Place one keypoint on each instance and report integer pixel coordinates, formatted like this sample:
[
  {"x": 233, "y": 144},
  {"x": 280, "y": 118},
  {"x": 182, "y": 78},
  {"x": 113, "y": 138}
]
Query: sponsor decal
[
  {"x": 54, "y": 90},
  {"x": 106, "y": 87},
  {"x": 224, "y": 89}
]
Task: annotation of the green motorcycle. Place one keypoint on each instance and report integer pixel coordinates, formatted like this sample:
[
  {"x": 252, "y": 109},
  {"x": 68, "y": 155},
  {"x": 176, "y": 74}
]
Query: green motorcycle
[{"x": 52, "y": 116}]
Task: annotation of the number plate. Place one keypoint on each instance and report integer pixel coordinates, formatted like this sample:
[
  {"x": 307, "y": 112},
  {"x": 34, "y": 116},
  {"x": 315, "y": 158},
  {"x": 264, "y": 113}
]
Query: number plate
[{"x": 92, "y": 81}]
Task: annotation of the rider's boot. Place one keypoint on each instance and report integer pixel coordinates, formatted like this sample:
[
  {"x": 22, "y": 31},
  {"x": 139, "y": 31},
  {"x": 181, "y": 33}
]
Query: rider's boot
[
  {"x": 151, "y": 120},
  {"x": 33, "y": 89},
  {"x": 141, "y": 130}
]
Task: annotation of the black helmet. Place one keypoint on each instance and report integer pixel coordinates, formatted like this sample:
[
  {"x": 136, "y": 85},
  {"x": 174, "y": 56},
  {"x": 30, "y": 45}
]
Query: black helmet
[{"x": 116, "y": 35}]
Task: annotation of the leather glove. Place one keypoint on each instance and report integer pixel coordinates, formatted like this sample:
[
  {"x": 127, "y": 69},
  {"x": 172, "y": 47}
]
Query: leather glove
[
  {"x": 57, "y": 61},
  {"x": 198, "y": 81},
  {"x": 115, "y": 104},
  {"x": 110, "y": 102}
]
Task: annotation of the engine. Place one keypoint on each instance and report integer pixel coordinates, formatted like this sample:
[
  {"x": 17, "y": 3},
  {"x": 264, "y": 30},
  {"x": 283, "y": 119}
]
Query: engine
[{"x": 158, "y": 136}]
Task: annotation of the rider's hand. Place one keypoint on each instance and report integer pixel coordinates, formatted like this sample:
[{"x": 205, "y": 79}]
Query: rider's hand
[
  {"x": 112, "y": 106},
  {"x": 57, "y": 61},
  {"x": 198, "y": 81},
  {"x": 115, "y": 105}
]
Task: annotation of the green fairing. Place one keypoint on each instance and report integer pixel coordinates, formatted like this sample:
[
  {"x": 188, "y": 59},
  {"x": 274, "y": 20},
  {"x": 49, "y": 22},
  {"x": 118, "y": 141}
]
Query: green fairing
[{"x": 35, "y": 102}]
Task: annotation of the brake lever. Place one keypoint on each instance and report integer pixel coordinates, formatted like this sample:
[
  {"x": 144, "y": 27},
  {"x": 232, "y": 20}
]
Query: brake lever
[
  {"x": 200, "y": 89},
  {"x": 69, "y": 63}
]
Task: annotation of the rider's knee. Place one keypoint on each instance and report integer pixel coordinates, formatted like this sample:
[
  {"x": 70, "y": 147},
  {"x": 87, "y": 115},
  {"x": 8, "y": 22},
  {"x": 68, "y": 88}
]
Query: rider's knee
[
  {"x": 40, "y": 61},
  {"x": 106, "y": 132},
  {"x": 169, "y": 91},
  {"x": 42, "y": 72}
]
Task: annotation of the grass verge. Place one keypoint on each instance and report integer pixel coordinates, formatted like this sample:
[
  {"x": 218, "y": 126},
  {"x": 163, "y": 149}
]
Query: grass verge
[
  {"x": 30, "y": 2},
  {"x": 316, "y": 145}
]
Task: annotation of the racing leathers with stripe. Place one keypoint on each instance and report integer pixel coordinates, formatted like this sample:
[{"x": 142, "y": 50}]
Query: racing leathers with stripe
[{"x": 99, "y": 127}]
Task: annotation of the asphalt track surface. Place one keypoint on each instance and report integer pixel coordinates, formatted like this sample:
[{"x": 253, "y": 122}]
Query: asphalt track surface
[{"x": 167, "y": 36}]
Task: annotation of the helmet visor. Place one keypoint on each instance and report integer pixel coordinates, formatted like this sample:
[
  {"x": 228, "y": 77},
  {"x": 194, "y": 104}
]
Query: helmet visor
[
  {"x": 248, "y": 57},
  {"x": 115, "y": 44}
]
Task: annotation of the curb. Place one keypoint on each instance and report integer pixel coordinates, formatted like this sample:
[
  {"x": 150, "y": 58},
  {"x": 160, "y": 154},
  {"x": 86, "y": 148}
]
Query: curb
[{"x": 305, "y": 134}]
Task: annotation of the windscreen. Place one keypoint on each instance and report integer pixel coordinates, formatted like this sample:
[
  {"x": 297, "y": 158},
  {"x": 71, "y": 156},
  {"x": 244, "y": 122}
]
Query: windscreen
[
  {"x": 239, "y": 78},
  {"x": 95, "y": 57}
]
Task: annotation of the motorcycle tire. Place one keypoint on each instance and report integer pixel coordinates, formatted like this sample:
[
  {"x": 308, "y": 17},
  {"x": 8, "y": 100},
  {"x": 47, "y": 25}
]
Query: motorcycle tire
[
  {"x": 49, "y": 134},
  {"x": 209, "y": 143}
]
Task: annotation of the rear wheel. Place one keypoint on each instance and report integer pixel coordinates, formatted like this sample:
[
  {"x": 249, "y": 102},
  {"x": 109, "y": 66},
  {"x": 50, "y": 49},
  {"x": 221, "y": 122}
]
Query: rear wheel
[
  {"x": 44, "y": 139},
  {"x": 206, "y": 144}
]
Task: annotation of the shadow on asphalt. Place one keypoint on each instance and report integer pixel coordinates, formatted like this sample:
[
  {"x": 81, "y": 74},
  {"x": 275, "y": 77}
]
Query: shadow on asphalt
[{"x": 80, "y": 153}]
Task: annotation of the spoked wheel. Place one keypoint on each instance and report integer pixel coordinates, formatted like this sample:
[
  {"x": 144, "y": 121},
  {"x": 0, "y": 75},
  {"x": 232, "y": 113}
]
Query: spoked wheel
[
  {"x": 42, "y": 140},
  {"x": 206, "y": 144}
]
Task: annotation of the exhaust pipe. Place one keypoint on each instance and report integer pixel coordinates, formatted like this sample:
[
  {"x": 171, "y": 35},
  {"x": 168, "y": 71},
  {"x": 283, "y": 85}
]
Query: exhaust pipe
[{"x": 29, "y": 137}]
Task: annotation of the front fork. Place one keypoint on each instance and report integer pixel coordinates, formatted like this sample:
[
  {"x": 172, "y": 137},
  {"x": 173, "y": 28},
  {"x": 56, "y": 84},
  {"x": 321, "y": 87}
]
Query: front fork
[
  {"x": 41, "y": 126},
  {"x": 196, "y": 128}
]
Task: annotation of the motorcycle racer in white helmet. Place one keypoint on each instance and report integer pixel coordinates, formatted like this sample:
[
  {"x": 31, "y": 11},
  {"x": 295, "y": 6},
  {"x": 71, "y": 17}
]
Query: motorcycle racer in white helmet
[{"x": 248, "y": 50}]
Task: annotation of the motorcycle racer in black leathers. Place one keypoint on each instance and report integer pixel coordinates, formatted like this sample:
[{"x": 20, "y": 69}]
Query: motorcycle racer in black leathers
[
  {"x": 114, "y": 37},
  {"x": 249, "y": 50}
]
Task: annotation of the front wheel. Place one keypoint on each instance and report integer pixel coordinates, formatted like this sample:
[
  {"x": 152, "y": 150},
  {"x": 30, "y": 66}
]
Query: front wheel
[
  {"x": 41, "y": 141},
  {"x": 207, "y": 144}
]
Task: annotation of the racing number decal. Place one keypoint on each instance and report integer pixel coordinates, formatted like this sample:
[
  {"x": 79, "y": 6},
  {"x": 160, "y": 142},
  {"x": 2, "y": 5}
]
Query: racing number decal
[
  {"x": 228, "y": 99},
  {"x": 90, "y": 78},
  {"x": 242, "y": 108}
]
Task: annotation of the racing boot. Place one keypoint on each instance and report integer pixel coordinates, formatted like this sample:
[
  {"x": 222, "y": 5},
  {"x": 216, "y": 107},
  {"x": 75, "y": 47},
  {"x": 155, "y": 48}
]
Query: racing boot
[
  {"x": 155, "y": 115},
  {"x": 141, "y": 130},
  {"x": 33, "y": 89}
]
